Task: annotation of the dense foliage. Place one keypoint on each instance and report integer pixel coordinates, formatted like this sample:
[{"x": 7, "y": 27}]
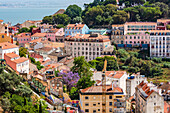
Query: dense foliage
[
  {"x": 98, "y": 63},
  {"x": 105, "y": 12},
  {"x": 82, "y": 67}
]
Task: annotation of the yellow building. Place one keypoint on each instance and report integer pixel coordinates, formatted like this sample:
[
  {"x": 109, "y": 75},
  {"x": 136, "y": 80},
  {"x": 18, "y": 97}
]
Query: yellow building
[
  {"x": 4, "y": 38},
  {"x": 91, "y": 99}
]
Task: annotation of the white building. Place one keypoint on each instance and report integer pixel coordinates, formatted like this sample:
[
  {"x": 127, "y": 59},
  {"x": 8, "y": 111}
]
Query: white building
[
  {"x": 88, "y": 45},
  {"x": 118, "y": 77},
  {"x": 18, "y": 64},
  {"x": 160, "y": 43},
  {"x": 132, "y": 82},
  {"x": 147, "y": 100},
  {"x": 7, "y": 47}
]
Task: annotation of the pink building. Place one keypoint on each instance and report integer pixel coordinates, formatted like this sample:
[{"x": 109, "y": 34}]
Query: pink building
[
  {"x": 137, "y": 39},
  {"x": 23, "y": 38},
  {"x": 56, "y": 35}
]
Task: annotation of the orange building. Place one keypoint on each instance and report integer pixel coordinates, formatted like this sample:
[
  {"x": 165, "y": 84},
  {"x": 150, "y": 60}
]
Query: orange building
[{"x": 5, "y": 38}]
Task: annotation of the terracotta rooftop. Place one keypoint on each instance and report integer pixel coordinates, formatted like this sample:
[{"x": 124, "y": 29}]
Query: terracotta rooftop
[
  {"x": 7, "y": 45},
  {"x": 20, "y": 60},
  {"x": 24, "y": 35},
  {"x": 75, "y": 26},
  {"x": 146, "y": 91},
  {"x": 98, "y": 89},
  {"x": 140, "y": 23},
  {"x": 12, "y": 55},
  {"x": 88, "y": 36},
  {"x": 115, "y": 74},
  {"x": 163, "y": 20},
  {"x": 1, "y": 20},
  {"x": 44, "y": 49},
  {"x": 39, "y": 35}
]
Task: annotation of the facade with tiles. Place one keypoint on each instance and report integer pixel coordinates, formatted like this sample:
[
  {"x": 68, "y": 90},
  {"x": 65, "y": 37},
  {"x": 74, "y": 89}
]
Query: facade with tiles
[
  {"x": 73, "y": 29},
  {"x": 137, "y": 39},
  {"x": 117, "y": 36},
  {"x": 88, "y": 45},
  {"x": 147, "y": 100},
  {"x": 160, "y": 43}
]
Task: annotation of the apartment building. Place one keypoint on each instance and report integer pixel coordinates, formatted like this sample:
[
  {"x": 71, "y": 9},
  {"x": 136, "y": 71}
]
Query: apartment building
[
  {"x": 132, "y": 82},
  {"x": 117, "y": 36},
  {"x": 88, "y": 45},
  {"x": 137, "y": 39},
  {"x": 23, "y": 38},
  {"x": 73, "y": 29},
  {"x": 147, "y": 100},
  {"x": 137, "y": 27},
  {"x": 160, "y": 43},
  {"x": 56, "y": 35},
  {"x": 18, "y": 64},
  {"x": 91, "y": 100},
  {"x": 7, "y": 47}
]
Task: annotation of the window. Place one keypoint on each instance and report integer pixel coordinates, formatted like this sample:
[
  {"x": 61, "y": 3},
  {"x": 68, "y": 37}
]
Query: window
[
  {"x": 110, "y": 103},
  {"x": 94, "y": 111},
  {"x": 154, "y": 103},
  {"x": 86, "y": 97},
  {"x": 86, "y": 104},
  {"x": 98, "y": 103},
  {"x": 98, "y": 109},
  {"x": 86, "y": 110},
  {"x": 94, "y": 104},
  {"x": 130, "y": 37},
  {"x": 110, "y": 109},
  {"x": 2, "y": 36},
  {"x": 110, "y": 97},
  {"x": 118, "y": 96},
  {"x": 154, "y": 96}
]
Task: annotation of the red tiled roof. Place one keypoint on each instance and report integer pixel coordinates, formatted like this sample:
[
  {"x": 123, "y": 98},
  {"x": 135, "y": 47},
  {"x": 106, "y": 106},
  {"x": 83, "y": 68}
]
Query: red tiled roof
[
  {"x": 74, "y": 26},
  {"x": 7, "y": 45},
  {"x": 12, "y": 55},
  {"x": 115, "y": 74},
  {"x": 39, "y": 35},
  {"x": 141, "y": 23},
  {"x": 98, "y": 89},
  {"x": 20, "y": 60},
  {"x": 145, "y": 88}
]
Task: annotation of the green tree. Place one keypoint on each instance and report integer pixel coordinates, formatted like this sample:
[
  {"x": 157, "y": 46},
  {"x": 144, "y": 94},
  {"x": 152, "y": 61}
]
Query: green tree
[
  {"x": 120, "y": 17},
  {"x": 47, "y": 19},
  {"x": 81, "y": 66},
  {"x": 163, "y": 8},
  {"x": 23, "y": 52},
  {"x": 77, "y": 20},
  {"x": 61, "y": 19},
  {"x": 24, "y": 30},
  {"x": 74, "y": 93},
  {"x": 31, "y": 27},
  {"x": 23, "y": 91},
  {"x": 73, "y": 11},
  {"x": 168, "y": 27}
]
